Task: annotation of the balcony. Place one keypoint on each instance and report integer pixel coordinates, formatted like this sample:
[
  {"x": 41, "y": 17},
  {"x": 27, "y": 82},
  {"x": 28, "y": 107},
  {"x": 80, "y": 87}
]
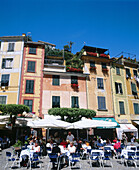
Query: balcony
[{"x": 54, "y": 65}]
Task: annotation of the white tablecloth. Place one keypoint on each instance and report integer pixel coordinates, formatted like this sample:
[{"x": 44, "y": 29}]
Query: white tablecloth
[
  {"x": 26, "y": 152},
  {"x": 125, "y": 152}
]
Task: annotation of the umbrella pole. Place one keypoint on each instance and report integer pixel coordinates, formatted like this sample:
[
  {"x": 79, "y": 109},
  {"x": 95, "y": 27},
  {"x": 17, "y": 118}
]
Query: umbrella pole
[
  {"x": 87, "y": 134},
  {"x": 77, "y": 134},
  {"x": 47, "y": 133}
]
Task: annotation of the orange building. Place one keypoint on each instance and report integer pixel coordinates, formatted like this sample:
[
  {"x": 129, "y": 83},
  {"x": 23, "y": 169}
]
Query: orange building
[{"x": 32, "y": 76}]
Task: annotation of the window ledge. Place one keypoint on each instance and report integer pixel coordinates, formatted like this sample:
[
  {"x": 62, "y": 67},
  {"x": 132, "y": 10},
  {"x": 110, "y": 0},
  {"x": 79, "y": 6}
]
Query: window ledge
[
  {"x": 30, "y": 72},
  {"x": 28, "y": 93},
  {"x": 102, "y": 109}
]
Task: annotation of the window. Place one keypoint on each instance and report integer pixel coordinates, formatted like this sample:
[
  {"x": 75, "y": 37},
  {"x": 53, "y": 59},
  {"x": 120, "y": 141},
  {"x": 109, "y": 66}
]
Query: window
[
  {"x": 2, "y": 99},
  {"x": 11, "y": 47},
  {"x": 29, "y": 103},
  {"x": 74, "y": 80},
  {"x": 128, "y": 75},
  {"x": 117, "y": 70},
  {"x": 29, "y": 86},
  {"x": 92, "y": 64},
  {"x": 101, "y": 103},
  {"x": 55, "y": 80},
  {"x": 136, "y": 108},
  {"x": 103, "y": 65},
  {"x": 118, "y": 87},
  {"x": 55, "y": 101},
  {"x": 7, "y": 63},
  {"x": 133, "y": 88},
  {"x": 135, "y": 73},
  {"x": 74, "y": 102},
  {"x": 122, "y": 109},
  {"x": 32, "y": 50},
  {"x": 5, "y": 79},
  {"x": 100, "y": 83},
  {"x": 31, "y": 66}
]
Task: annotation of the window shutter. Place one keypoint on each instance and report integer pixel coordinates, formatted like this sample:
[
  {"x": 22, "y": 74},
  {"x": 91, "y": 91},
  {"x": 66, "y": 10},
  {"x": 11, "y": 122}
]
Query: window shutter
[
  {"x": 120, "y": 85},
  {"x": 27, "y": 86},
  {"x": 32, "y": 86},
  {"x": 3, "y": 63},
  {"x": 116, "y": 87},
  {"x": 134, "y": 90},
  {"x": 103, "y": 103},
  {"x": 77, "y": 104},
  {"x": 72, "y": 102},
  {"x": 122, "y": 109}
]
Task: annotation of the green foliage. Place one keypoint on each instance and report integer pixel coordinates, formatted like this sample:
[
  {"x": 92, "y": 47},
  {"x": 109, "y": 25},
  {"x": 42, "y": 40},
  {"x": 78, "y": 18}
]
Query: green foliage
[
  {"x": 13, "y": 109},
  {"x": 18, "y": 144},
  {"x": 72, "y": 114}
]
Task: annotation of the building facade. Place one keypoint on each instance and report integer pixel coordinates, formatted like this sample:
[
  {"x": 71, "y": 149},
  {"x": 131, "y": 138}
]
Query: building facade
[
  {"x": 60, "y": 88},
  {"x": 11, "y": 56},
  {"x": 32, "y": 77}
]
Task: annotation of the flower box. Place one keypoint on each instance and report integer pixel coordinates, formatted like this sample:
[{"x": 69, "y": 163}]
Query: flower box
[
  {"x": 74, "y": 85},
  {"x": 104, "y": 69},
  {"x": 92, "y": 68},
  {"x": 71, "y": 69},
  {"x": 104, "y": 55},
  {"x": 91, "y": 53}
]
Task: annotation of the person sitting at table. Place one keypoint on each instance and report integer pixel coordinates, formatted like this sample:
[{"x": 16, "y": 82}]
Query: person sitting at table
[
  {"x": 79, "y": 147},
  {"x": 71, "y": 148},
  {"x": 36, "y": 147},
  {"x": 108, "y": 142},
  {"x": 55, "y": 150},
  {"x": 63, "y": 143},
  {"x": 99, "y": 144},
  {"x": 117, "y": 145}
]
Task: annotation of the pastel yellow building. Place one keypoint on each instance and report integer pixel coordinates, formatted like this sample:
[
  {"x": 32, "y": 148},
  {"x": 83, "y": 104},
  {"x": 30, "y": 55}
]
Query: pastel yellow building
[{"x": 11, "y": 55}]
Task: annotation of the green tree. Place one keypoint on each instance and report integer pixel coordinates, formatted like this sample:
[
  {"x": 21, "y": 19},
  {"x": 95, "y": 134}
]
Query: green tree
[
  {"x": 13, "y": 109},
  {"x": 72, "y": 114}
]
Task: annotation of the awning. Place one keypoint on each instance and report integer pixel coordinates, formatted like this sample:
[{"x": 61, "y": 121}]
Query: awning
[
  {"x": 108, "y": 119},
  {"x": 126, "y": 128},
  {"x": 136, "y": 121}
]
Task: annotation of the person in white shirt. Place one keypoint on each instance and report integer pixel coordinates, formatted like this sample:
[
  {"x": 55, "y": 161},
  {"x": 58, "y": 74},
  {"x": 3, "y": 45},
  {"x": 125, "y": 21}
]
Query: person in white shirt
[
  {"x": 71, "y": 148},
  {"x": 36, "y": 148},
  {"x": 70, "y": 137}
]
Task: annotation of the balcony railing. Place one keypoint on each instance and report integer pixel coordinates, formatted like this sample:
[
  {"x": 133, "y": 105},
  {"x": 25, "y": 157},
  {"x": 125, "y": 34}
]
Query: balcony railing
[{"x": 53, "y": 62}]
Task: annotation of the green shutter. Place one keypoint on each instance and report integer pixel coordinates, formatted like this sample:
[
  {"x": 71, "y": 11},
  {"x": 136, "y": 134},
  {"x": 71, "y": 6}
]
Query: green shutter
[
  {"x": 136, "y": 108},
  {"x": 121, "y": 106},
  {"x": 120, "y": 86},
  {"x": 3, "y": 63},
  {"x": 72, "y": 102},
  {"x": 134, "y": 90}
]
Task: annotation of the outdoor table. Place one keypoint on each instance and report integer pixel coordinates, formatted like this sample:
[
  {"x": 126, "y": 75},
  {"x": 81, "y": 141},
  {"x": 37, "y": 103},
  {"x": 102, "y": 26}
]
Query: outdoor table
[
  {"x": 125, "y": 152},
  {"x": 129, "y": 147},
  {"x": 26, "y": 152}
]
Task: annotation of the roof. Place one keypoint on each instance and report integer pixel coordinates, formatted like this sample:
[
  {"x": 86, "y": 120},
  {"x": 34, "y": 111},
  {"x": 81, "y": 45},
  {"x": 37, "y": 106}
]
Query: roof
[
  {"x": 36, "y": 43},
  {"x": 47, "y": 43},
  {"x": 12, "y": 37},
  {"x": 94, "y": 49}
]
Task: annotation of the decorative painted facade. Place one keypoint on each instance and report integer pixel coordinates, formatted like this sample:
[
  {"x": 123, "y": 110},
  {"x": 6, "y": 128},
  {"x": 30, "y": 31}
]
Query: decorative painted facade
[
  {"x": 32, "y": 77},
  {"x": 11, "y": 56},
  {"x": 97, "y": 67}
]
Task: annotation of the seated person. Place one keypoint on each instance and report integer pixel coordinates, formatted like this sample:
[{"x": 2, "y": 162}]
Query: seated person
[
  {"x": 63, "y": 143},
  {"x": 79, "y": 147},
  {"x": 117, "y": 145},
  {"x": 71, "y": 148},
  {"x": 99, "y": 144},
  {"x": 108, "y": 142},
  {"x": 36, "y": 147},
  {"x": 56, "y": 150}
]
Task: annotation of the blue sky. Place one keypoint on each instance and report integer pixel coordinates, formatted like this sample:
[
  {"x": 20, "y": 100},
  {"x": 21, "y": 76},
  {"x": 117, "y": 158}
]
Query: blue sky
[{"x": 112, "y": 24}]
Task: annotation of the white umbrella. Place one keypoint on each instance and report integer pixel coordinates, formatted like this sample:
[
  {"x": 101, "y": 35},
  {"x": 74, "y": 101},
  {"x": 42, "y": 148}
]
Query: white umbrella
[
  {"x": 89, "y": 123},
  {"x": 48, "y": 123}
]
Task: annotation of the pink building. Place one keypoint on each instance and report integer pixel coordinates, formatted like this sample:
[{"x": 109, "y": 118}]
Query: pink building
[{"x": 60, "y": 88}]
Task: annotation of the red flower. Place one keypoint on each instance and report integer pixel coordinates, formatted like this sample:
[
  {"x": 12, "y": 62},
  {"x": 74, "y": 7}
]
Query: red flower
[
  {"x": 93, "y": 68},
  {"x": 104, "y": 55},
  {"x": 104, "y": 69},
  {"x": 74, "y": 85},
  {"x": 71, "y": 69},
  {"x": 91, "y": 53}
]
